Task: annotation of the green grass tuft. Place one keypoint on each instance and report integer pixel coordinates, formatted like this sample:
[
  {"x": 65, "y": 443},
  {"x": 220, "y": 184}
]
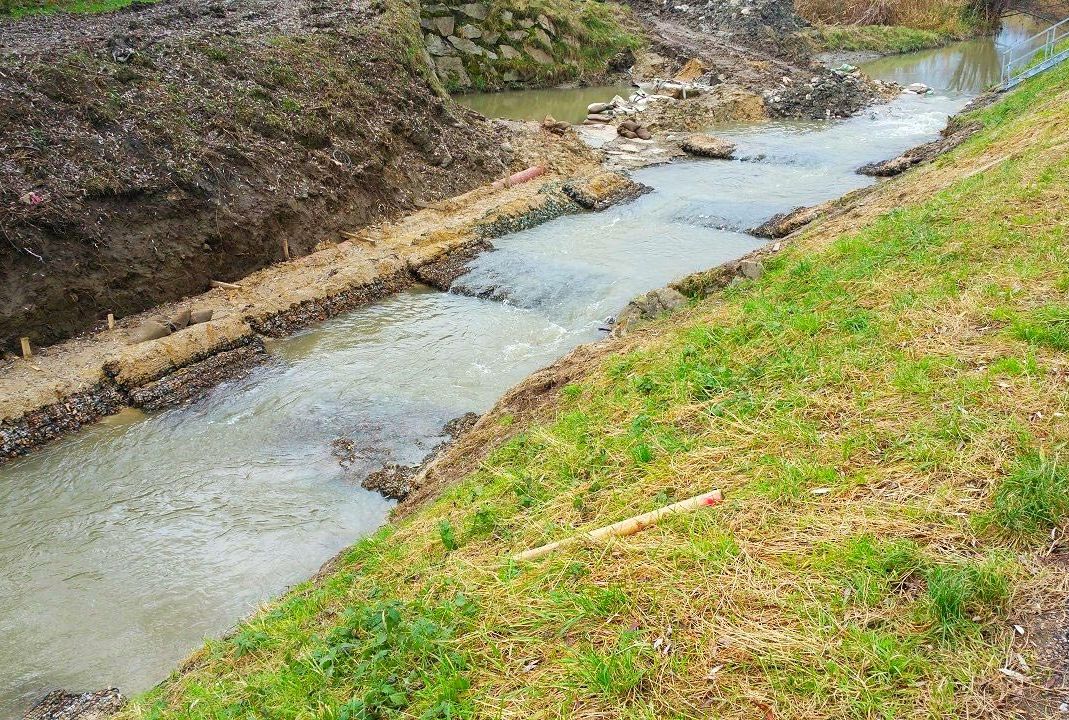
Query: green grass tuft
[
  {"x": 616, "y": 672},
  {"x": 1047, "y": 326},
  {"x": 959, "y": 593},
  {"x": 1032, "y": 499}
]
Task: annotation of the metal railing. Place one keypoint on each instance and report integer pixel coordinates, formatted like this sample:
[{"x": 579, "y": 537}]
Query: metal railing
[{"x": 1038, "y": 53}]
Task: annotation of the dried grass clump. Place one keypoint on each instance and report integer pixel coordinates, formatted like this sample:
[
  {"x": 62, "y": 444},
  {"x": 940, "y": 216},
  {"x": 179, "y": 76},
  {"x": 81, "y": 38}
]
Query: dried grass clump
[{"x": 954, "y": 16}]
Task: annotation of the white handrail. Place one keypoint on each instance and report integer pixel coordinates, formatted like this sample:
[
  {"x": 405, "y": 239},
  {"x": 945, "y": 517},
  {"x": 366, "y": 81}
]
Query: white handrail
[{"x": 1035, "y": 59}]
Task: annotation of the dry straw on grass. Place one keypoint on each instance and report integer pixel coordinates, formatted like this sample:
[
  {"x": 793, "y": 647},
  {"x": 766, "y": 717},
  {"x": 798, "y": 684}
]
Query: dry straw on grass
[{"x": 944, "y": 15}]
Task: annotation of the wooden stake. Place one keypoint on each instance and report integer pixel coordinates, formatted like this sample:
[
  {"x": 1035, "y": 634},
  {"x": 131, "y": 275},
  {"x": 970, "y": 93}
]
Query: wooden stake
[
  {"x": 27, "y": 351},
  {"x": 626, "y": 527},
  {"x": 225, "y": 285},
  {"x": 286, "y": 248},
  {"x": 111, "y": 321}
]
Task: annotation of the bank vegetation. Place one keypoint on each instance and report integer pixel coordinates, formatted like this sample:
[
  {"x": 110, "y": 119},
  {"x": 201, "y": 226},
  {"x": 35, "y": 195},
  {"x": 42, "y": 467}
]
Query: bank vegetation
[{"x": 884, "y": 410}]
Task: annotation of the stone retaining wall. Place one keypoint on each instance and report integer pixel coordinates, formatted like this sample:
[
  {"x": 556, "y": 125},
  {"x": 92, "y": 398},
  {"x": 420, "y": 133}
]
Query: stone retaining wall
[{"x": 480, "y": 46}]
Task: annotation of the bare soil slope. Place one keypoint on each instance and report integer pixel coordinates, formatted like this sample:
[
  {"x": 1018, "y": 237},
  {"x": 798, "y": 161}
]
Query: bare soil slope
[{"x": 145, "y": 152}]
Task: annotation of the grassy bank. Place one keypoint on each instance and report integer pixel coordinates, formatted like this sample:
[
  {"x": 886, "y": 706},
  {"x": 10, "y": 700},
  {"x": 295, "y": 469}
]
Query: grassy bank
[
  {"x": 19, "y": 8},
  {"x": 884, "y": 410},
  {"x": 884, "y": 39},
  {"x": 948, "y": 17}
]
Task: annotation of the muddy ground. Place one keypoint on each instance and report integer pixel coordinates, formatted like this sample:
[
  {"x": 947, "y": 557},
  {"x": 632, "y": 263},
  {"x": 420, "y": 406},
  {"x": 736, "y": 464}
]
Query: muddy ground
[
  {"x": 146, "y": 152},
  {"x": 752, "y": 47}
]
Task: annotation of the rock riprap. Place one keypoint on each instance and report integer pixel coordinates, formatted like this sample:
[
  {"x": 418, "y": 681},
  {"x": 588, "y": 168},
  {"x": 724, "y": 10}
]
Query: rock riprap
[{"x": 481, "y": 45}]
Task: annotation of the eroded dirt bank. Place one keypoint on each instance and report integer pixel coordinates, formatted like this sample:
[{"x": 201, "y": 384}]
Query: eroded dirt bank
[
  {"x": 150, "y": 151},
  {"x": 81, "y": 380}
]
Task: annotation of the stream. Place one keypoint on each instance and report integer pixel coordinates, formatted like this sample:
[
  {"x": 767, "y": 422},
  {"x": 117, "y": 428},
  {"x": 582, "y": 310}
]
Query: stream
[{"x": 125, "y": 545}]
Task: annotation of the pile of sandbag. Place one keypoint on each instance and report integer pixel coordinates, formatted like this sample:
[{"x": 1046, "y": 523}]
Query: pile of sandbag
[
  {"x": 158, "y": 326},
  {"x": 555, "y": 126},
  {"x": 633, "y": 130}
]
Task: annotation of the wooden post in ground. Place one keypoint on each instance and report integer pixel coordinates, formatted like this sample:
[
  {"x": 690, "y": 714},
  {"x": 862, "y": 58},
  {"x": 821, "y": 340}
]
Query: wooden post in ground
[
  {"x": 286, "y": 248},
  {"x": 111, "y": 321},
  {"x": 27, "y": 351}
]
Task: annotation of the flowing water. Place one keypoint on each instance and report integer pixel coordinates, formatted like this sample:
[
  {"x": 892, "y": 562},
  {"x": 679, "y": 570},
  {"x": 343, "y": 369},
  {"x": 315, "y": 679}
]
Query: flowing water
[{"x": 124, "y": 546}]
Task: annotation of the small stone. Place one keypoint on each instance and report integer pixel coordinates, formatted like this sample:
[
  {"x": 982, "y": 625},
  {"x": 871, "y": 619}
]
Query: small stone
[
  {"x": 437, "y": 47},
  {"x": 547, "y": 24},
  {"x": 543, "y": 39},
  {"x": 751, "y": 269},
  {"x": 491, "y": 38},
  {"x": 598, "y": 117},
  {"x": 506, "y": 16},
  {"x": 469, "y": 31},
  {"x": 508, "y": 52},
  {"x": 516, "y": 35},
  {"x": 596, "y": 108},
  {"x": 443, "y": 25},
  {"x": 918, "y": 88},
  {"x": 451, "y": 72},
  {"x": 539, "y": 56},
  {"x": 525, "y": 23},
  {"x": 511, "y": 77},
  {"x": 479, "y": 11},
  {"x": 465, "y": 46}
]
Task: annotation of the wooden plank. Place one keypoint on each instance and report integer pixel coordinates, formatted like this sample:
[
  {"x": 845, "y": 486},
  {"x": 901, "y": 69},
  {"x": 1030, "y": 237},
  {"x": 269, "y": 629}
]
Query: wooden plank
[{"x": 626, "y": 527}]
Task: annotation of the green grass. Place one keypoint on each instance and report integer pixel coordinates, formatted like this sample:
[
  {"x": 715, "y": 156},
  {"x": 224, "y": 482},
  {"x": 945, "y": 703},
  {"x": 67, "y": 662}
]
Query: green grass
[
  {"x": 1033, "y": 498},
  {"x": 884, "y": 39},
  {"x": 20, "y": 8},
  {"x": 883, "y": 434}
]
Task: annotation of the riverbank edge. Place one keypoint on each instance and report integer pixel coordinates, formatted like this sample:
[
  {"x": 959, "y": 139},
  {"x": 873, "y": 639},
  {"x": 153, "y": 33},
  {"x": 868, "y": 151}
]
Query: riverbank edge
[
  {"x": 184, "y": 365},
  {"x": 538, "y": 395},
  {"x": 538, "y": 392},
  {"x": 859, "y": 43}
]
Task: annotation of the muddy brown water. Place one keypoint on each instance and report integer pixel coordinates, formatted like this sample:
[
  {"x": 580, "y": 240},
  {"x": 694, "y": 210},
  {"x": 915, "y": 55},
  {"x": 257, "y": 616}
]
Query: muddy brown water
[
  {"x": 568, "y": 104},
  {"x": 125, "y": 545}
]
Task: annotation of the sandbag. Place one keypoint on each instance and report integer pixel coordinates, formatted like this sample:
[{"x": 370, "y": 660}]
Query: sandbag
[
  {"x": 180, "y": 320},
  {"x": 200, "y": 316},
  {"x": 149, "y": 330}
]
